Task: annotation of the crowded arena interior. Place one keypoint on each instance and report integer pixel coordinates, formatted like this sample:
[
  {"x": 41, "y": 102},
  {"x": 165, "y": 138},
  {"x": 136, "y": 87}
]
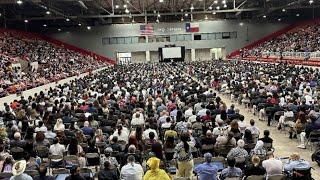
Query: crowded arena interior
[{"x": 160, "y": 90}]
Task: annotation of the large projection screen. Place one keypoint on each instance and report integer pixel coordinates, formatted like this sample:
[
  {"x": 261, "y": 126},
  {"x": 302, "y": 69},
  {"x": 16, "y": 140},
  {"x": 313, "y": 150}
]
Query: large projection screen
[{"x": 172, "y": 52}]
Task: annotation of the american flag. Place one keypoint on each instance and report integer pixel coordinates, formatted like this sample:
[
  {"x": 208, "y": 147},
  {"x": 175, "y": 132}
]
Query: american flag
[{"x": 146, "y": 30}]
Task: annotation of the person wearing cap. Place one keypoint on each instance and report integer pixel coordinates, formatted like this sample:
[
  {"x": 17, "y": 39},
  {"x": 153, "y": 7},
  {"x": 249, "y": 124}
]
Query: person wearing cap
[
  {"x": 18, "y": 171},
  {"x": 206, "y": 170},
  {"x": 155, "y": 173}
]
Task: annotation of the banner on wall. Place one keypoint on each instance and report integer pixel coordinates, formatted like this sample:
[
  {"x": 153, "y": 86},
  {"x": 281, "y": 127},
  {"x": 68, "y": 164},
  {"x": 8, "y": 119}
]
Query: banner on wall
[{"x": 192, "y": 27}]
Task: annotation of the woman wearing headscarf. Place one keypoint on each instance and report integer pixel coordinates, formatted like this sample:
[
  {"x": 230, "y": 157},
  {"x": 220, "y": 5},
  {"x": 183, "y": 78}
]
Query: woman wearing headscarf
[
  {"x": 59, "y": 126},
  {"x": 259, "y": 150},
  {"x": 155, "y": 172}
]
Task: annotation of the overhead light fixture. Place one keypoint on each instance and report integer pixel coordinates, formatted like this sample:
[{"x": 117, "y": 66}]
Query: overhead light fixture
[
  {"x": 264, "y": 16},
  {"x": 159, "y": 15},
  {"x": 218, "y": 7},
  {"x": 191, "y": 8},
  {"x": 127, "y": 11},
  {"x": 279, "y": 19},
  {"x": 298, "y": 15},
  {"x": 89, "y": 27},
  {"x": 26, "y": 21},
  {"x": 215, "y": 2},
  {"x": 225, "y": 6},
  {"x": 124, "y": 6},
  {"x": 116, "y": 6},
  {"x": 206, "y": 17},
  {"x": 283, "y": 10},
  {"x": 181, "y": 10},
  {"x": 214, "y": 12},
  {"x": 48, "y": 12},
  {"x": 224, "y": 2},
  {"x": 44, "y": 25},
  {"x": 19, "y": 2},
  {"x": 79, "y": 24},
  {"x": 67, "y": 19},
  {"x": 157, "y": 20},
  {"x": 161, "y": 1},
  {"x": 182, "y": 19},
  {"x": 133, "y": 20},
  {"x": 59, "y": 29},
  {"x": 241, "y": 24},
  {"x": 311, "y": 1},
  {"x": 210, "y": 7},
  {"x": 186, "y": 14},
  {"x": 130, "y": 16}
]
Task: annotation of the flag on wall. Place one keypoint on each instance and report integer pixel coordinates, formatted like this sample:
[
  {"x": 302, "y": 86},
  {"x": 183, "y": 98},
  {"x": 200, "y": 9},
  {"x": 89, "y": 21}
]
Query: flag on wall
[
  {"x": 192, "y": 27},
  {"x": 146, "y": 30}
]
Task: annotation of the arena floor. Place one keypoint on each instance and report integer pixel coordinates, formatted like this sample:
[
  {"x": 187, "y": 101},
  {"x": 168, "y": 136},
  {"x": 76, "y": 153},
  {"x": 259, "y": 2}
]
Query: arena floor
[{"x": 282, "y": 144}]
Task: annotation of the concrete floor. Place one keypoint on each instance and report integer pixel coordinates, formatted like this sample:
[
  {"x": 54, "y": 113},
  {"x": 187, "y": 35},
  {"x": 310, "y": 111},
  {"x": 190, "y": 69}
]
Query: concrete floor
[{"x": 282, "y": 144}]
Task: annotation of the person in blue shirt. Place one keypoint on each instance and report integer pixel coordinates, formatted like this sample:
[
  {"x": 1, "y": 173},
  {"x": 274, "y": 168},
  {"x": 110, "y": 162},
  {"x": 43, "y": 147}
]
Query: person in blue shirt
[
  {"x": 87, "y": 130},
  {"x": 296, "y": 163},
  {"x": 231, "y": 171},
  {"x": 207, "y": 171}
]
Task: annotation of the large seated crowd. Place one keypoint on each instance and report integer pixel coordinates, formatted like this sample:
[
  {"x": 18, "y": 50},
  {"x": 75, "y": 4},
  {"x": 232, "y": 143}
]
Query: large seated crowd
[
  {"x": 55, "y": 62},
  {"x": 301, "y": 39},
  {"x": 157, "y": 121}
]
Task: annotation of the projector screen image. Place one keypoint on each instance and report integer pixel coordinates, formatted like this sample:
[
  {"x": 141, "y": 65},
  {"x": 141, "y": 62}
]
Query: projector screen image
[{"x": 172, "y": 52}]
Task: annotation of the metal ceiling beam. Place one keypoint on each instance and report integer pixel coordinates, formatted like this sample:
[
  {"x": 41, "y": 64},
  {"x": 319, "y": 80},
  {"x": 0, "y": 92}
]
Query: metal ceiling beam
[{"x": 141, "y": 15}]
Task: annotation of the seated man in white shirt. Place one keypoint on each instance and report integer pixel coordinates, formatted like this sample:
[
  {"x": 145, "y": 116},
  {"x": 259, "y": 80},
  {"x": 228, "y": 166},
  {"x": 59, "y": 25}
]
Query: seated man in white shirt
[
  {"x": 188, "y": 112},
  {"x": 132, "y": 170},
  {"x": 253, "y": 128},
  {"x": 57, "y": 149},
  {"x": 41, "y": 127},
  {"x": 203, "y": 111},
  {"x": 221, "y": 129},
  {"x": 137, "y": 120},
  {"x": 287, "y": 114},
  {"x": 271, "y": 165},
  {"x": 193, "y": 118},
  {"x": 145, "y": 134},
  {"x": 167, "y": 124}
]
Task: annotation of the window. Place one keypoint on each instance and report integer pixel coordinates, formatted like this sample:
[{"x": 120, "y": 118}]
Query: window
[
  {"x": 173, "y": 38},
  {"x": 151, "y": 39},
  {"x": 197, "y": 37},
  {"x": 105, "y": 41},
  {"x": 218, "y": 35},
  {"x": 113, "y": 40},
  {"x": 120, "y": 40},
  {"x": 205, "y": 37},
  {"x": 127, "y": 40},
  {"x": 226, "y": 35},
  {"x": 142, "y": 39}
]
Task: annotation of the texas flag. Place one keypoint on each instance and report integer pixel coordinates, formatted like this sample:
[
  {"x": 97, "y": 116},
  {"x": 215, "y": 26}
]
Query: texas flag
[{"x": 192, "y": 27}]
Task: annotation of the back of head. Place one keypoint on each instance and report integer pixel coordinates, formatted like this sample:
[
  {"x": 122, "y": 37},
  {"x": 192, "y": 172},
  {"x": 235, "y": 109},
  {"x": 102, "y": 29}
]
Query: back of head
[
  {"x": 295, "y": 156},
  {"x": 252, "y": 122},
  {"x": 207, "y": 157},
  {"x": 240, "y": 143},
  {"x": 231, "y": 162},
  {"x": 255, "y": 160}
]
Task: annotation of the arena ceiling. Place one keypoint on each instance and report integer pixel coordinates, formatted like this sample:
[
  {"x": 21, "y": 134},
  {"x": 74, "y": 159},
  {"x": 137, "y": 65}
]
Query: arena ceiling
[{"x": 93, "y": 12}]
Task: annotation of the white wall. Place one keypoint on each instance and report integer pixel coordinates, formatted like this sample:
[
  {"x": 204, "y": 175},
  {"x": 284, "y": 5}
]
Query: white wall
[
  {"x": 92, "y": 40},
  {"x": 138, "y": 57},
  {"x": 31, "y": 92}
]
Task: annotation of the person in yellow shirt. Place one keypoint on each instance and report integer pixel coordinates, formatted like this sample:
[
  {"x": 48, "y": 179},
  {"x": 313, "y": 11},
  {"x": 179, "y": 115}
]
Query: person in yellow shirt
[{"x": 155, "y": 173}]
